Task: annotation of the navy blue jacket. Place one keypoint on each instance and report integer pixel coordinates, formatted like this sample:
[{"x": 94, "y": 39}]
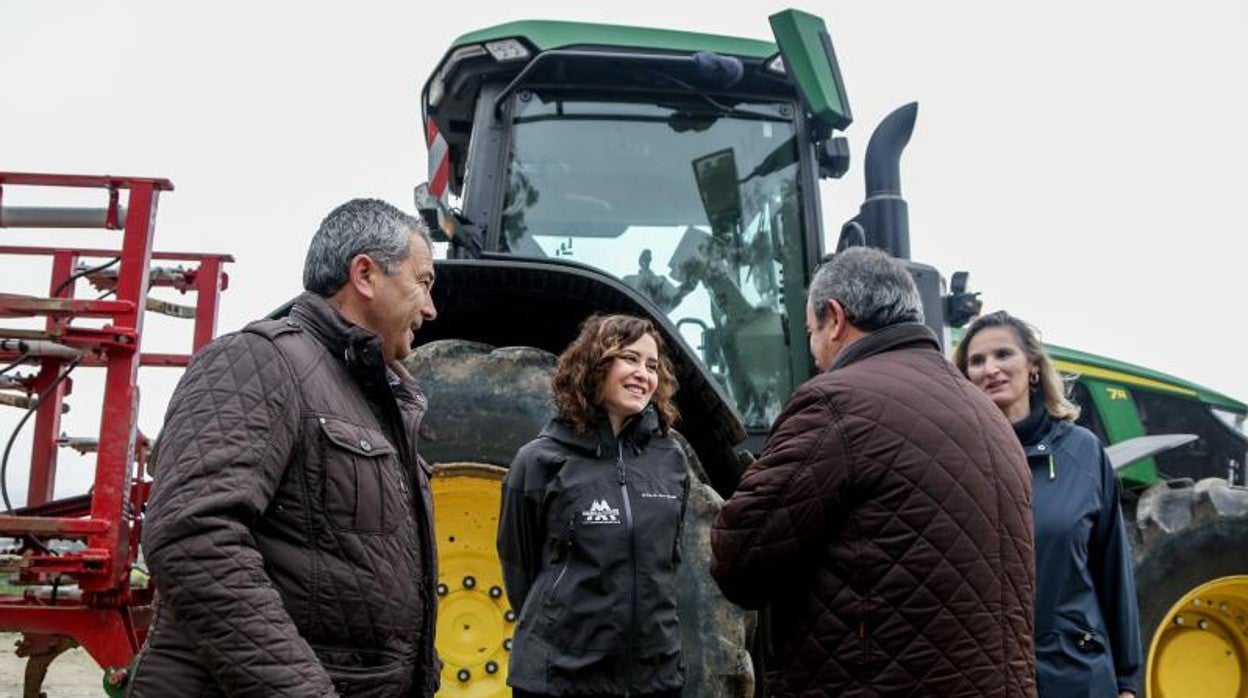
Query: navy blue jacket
[{"x": 1087, "y": 618}]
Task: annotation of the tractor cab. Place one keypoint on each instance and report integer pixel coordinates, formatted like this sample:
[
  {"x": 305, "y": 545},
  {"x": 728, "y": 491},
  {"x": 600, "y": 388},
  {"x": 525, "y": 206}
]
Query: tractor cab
[{"x": 685, "y": 166}]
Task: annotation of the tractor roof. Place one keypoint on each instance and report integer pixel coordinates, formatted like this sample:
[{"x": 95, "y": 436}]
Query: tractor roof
[
  {"x": 545, "y": 35},
  {"x": 1093, "y": 366},
  {"x": 502, "y": 52}
]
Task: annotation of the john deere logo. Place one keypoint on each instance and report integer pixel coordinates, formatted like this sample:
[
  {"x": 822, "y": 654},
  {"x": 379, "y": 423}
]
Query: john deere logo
[{"x": 601, "y": 513}]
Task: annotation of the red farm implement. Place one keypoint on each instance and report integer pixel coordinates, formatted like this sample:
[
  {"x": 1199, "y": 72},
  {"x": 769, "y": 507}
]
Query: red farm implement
[{"x": 65, "y": 578}]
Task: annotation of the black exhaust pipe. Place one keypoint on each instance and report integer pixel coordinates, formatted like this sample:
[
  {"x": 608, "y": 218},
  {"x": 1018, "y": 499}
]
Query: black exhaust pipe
[{"x": 883, "y": 220}]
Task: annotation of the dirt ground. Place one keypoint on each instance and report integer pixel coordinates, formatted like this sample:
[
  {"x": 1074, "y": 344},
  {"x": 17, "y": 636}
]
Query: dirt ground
[{"x": 72, "y": 675}]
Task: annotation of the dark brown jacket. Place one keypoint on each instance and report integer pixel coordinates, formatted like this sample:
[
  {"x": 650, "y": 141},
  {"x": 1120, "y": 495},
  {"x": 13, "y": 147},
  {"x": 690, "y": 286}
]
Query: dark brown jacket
[
  {"x": 887, "y": 527},
  {"x": 290, "y": 524}
]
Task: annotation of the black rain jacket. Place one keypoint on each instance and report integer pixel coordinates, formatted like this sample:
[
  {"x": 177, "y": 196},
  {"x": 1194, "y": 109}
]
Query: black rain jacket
[
  {"x": 589, "y": 538},
  {"x": 1087, "y": 618}
]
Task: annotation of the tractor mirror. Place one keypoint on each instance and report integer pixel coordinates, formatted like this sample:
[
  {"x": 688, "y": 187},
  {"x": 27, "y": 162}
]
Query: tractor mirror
[
  {"x": 430, "y": 210},
  {"x": 444, "y": 225},
  {"x": 716, "y": 174}
]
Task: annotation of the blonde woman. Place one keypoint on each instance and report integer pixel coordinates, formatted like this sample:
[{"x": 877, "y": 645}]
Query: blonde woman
[{"x": 1087, "y": 619}]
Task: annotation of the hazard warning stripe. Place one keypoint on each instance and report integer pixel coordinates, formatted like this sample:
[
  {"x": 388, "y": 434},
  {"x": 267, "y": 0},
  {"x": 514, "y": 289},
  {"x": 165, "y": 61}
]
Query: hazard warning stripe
[{"x": 439, "y": 160}]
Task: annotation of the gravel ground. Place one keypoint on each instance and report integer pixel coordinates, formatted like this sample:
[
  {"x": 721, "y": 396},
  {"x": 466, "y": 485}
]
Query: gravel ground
[{"x": 72, "y": 675}]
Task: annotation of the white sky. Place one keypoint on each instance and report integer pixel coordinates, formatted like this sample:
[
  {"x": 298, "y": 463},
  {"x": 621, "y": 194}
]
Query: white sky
[{"x": 1081, "y": 159}]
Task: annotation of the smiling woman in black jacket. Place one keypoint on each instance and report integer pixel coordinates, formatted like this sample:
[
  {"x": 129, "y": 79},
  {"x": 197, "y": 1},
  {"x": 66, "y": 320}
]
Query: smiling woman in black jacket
[
  {"x": 589, "y": 533},
  {"x": 1087, "y": 624}
]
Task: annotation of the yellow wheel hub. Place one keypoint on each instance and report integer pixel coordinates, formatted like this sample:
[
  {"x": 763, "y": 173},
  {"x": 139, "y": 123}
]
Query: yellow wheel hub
[
  {"x": 1201, "y": 647},
  {"x": 475, "y": 622}
]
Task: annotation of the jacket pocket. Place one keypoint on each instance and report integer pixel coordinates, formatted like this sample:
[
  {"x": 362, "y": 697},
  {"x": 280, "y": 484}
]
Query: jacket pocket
[
  {"x": 553, "y": 594},
  {"x": 367, "y": 673},
  {"x": 1074, "y": 661},
  {"x": 1087, "y": 642},
  {"x": 364, "y": 489}
]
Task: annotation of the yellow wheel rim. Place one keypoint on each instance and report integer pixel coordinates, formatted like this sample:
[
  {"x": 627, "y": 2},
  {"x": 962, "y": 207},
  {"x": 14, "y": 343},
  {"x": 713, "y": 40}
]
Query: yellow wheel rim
[
  {"x": 475, "y": 622},
  {"x": 1201, "y": 647}
]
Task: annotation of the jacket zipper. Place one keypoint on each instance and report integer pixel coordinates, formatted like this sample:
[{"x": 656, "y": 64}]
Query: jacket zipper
[
  {"x": 142, "y": 653},
  {"x": 632, "y": 563},
  {"x": 680, "y": 523}
]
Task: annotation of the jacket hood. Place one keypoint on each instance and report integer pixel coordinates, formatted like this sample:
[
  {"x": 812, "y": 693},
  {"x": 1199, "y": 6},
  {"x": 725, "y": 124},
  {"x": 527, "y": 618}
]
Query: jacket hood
[{"x": 637, "y": 432}]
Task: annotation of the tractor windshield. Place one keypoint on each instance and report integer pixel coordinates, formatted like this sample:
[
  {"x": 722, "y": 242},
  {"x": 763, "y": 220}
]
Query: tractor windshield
[{"x": 696, "y": 208}]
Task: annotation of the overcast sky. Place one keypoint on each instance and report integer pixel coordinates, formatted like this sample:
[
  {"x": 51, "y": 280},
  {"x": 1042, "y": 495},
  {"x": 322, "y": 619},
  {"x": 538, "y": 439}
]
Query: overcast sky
[{"x": 1083, "y": 160}]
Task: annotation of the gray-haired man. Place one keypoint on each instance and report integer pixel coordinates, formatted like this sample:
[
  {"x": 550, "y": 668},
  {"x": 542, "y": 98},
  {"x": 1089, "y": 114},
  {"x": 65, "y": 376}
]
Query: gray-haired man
[
  {"x": 290, "y": 527},
  {"x": 887, "y": 523}
]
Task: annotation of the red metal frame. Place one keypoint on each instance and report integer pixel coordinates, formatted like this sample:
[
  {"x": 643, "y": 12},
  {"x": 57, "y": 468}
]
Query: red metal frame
[{"x": 104, "y": 614}]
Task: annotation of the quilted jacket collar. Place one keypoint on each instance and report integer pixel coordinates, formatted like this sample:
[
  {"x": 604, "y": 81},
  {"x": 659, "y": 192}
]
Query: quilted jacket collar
[
  {"x": 907, "y": 335},
  {"x": 343, "y": 339},
  {"x": 637, "y": 432},
  {"x": 360, "y": 350}
]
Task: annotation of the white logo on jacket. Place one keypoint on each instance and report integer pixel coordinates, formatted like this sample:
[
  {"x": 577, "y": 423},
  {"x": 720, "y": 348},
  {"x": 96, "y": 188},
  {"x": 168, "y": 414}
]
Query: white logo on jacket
[{"x": 600, "y": 512}]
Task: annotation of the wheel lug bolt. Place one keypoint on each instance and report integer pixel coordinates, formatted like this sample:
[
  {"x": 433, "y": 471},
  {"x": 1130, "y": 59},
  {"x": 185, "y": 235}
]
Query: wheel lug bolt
[
  {"x": 470, "y": 582},
  {"x": 463, "y": 675},
  {"x": 1203, "y": 625},
  {"x": 442, "y": 590},
  {"x": 491, "y": 667},
  {"x": 507, "y": 644},
  {"x": 1178, "y": 620},
  {"x": 510, "y": 616},
  {"x": 496, "y": 591}
]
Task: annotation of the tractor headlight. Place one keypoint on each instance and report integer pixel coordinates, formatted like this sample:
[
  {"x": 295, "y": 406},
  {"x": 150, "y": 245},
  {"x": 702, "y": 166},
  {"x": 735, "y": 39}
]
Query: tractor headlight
[{"x": 507, "y": 50}]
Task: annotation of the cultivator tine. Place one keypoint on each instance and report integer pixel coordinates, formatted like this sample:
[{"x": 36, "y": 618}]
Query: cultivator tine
[{"x": 40, "y": 650}]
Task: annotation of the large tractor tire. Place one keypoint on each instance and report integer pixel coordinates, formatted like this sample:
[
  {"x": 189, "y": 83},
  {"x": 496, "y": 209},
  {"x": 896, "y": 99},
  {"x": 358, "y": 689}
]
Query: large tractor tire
[
  {"x": 484, "y": 404},
  {"x": 713, "y": 631},
  {"x": 1192, "y": 574}
]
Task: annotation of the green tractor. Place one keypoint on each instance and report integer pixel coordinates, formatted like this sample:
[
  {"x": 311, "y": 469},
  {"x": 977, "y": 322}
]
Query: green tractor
[{"x": 676, "y": 175}]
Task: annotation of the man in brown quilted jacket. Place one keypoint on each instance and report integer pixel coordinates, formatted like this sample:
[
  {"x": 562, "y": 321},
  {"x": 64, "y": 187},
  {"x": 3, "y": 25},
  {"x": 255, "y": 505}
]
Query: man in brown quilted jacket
[
  {"x": 290, "y": 528},
  {"x": 887, "y": 524}
]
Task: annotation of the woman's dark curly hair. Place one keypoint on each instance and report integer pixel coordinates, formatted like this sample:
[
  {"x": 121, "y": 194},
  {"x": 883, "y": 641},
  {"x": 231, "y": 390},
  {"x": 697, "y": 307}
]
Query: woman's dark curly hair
[{"x": 584, "y": 364}]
